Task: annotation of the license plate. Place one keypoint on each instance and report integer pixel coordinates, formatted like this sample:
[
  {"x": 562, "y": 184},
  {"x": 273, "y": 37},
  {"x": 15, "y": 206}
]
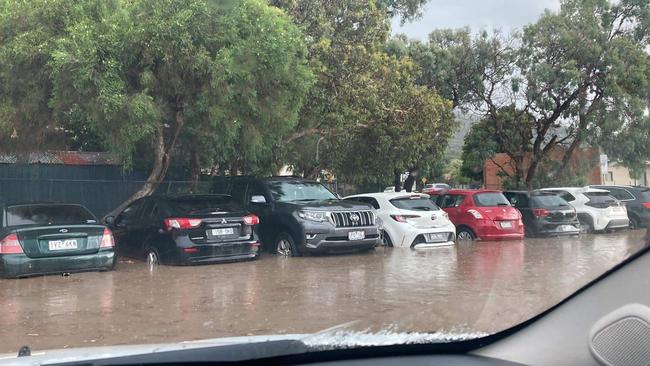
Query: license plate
[
  {"x": 506, "y": 224},
  {"x": 567, "y": 228},
  {"x": 435, "y": 237},
  {"x": 221, "y": 232},
  {"x": 356, "y": 235},
  {"x": 62, "y": 244}
]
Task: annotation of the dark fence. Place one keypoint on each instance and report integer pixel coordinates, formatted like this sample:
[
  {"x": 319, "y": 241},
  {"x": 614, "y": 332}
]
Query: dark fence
[{"x": 99, "y": 188}]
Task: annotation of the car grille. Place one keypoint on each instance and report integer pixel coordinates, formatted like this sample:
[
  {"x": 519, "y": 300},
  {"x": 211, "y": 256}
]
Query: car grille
[{"x": 353, "y": 218}]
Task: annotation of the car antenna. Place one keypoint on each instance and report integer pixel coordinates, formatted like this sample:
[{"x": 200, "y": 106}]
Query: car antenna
[{"x": 24, "y": 351}]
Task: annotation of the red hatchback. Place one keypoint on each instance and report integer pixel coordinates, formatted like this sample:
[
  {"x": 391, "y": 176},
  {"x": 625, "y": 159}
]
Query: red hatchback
[{"x": 481, "y": 214}]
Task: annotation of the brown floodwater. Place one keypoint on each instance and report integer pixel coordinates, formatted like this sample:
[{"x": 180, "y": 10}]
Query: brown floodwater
[{"x": 470, "y": 287}]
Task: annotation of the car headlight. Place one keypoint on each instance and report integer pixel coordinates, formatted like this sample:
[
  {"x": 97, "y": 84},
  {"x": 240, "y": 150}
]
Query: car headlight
[{"x": 318, "y": 216}]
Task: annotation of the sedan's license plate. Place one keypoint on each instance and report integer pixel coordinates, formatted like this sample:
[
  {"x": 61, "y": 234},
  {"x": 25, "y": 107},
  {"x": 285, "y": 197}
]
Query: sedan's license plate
[
  {"x": 356, "y": 235},
  {"x": 506, "y": 224},
  {"x": 221, "y": 232},
  {"x": 62, "y": 244}
]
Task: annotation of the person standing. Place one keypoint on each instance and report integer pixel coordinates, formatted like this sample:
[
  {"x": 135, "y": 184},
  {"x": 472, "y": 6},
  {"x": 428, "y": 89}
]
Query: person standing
[{"x": 409, "y": 183}]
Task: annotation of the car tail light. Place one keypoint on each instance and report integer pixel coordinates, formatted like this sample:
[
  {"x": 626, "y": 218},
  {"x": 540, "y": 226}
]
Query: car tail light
[
  {"x": 646, "y": 205},
  {"x": 181, "y": 223},
  {"x": 476, "y": 214},
  {"x": 251, "y": 220},
  {"x": 191, "y": 250},
  {"x": 107, "y": 239},
  {"x": 10, "y": 245},
  {"x": 403, "y": 218},
  {"x": 540, "y": 212}
]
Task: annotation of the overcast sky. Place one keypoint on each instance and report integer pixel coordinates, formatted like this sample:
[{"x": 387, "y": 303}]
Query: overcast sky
[{"x": 477, "y": 14}]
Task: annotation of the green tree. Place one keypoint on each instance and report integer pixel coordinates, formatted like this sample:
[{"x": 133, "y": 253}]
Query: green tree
[
  {"x": 149, "y": 77},
  {"x": 365, "y": 116},
  {"x": 578, "y": 76}
]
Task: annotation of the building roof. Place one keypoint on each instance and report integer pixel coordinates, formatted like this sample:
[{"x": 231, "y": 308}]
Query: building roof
[{"x": 60, "y": 158}]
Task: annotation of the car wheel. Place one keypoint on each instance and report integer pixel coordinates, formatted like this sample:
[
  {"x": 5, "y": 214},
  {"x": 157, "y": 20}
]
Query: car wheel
[
  {"x": 634, "y": 224},
  {"x": 465, "y": 234},
  {"x": 586, "y": 228},
  {"x": 152, "y": 257},
  {"x": 386, "y": 240},
  {"x": 285, "y": 246}
]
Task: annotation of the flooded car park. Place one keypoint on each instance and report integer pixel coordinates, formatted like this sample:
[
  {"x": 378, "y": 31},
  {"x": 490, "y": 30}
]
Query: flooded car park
[{"x": 473, "y": 287}]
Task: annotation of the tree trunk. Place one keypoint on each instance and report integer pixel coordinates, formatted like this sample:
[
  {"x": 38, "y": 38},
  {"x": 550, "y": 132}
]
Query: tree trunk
[
  {"x": 162, "y": 158},
  {"x": 195, "y": 168},
  {"x": 531, "y": 174}
]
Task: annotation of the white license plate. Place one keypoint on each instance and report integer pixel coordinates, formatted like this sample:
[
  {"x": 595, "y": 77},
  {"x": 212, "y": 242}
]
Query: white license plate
[
  {"x": 567, "y": 228},
  {"x": 435, "y": 237},
  {"x": 356, "y": 235},
  {"x": 221, "y": 232},
  {"x": 506, "y": 224},
  {"x": 62, "y": 244}
]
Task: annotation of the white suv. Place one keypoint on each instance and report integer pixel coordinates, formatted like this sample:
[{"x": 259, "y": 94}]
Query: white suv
[
  {"x": 597, "y": 210},
  {"x": 410, "y": 220}
]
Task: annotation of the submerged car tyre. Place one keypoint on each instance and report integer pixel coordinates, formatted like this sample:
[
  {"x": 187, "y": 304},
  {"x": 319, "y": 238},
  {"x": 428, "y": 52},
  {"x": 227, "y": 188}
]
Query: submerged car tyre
[
  {"x": 465, "y": 234},
  {"x": 285, "y": 245},
  {"x": 152, "y": 258},
  {"x": 386, "y": 240}
]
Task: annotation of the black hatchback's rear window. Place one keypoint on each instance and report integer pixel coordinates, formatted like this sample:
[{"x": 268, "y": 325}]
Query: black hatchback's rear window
[
  {"x": 203, "y": 204},
  {"x": 49, "y": 214},
  {"x": 549, "y": 201},
  {"x": 645, "y": 195}
]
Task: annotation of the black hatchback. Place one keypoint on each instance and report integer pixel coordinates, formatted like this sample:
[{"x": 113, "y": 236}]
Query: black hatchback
[
  {"x": 544, "y": 213},
  {"x": 50, "y": 238},
  {"x": 185, "y": 229}
]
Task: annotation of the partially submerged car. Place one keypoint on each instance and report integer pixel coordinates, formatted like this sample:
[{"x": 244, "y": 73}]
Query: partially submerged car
[
  {"x": 409, "y": 220},
  {"x": 52, "y": 238},
  {"x": 186, "y": 229},
  {"x": 544, "y": 213},
  {"x": 596, "y": 208},
  {"x": 481, "y": 214}
]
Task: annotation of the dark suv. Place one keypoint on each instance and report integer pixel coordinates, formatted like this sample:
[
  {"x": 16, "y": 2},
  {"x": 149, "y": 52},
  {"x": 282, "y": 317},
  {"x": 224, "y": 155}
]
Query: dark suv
[
  {"x": 544, "y": 213},
  {"x": 637, "y": 201},
  {"x": 300, "y": 216}
]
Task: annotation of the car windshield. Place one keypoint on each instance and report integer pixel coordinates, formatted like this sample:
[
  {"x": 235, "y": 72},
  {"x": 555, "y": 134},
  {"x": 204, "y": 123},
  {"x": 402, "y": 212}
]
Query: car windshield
[
  {"x": 489, "y": 199},
  {"x": 548, "y": 200},
  {"x": 203, "y": 204},
  {"x": 299, "y": 191},
  {"x": 48, "y": 215},
  {"x": 414, "y": 203},
  {"x": 205, "y": 146}
]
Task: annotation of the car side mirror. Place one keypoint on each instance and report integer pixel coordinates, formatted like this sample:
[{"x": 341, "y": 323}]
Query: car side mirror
[
  {"x": 258, "y": 200},
  {"x": 110, "y": 220}
]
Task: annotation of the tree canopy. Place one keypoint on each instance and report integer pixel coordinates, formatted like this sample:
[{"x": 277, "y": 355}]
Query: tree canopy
[{"x": 575, "y": 77}]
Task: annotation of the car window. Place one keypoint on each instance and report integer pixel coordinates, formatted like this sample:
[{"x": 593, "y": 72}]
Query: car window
[
  {"x": 48, "y": 215},
  {"x": 548, "y": 200},
  {"x": 600, "y": 197},
  {"x": 213, "y": 204},
  {"x": 369, "y": 200},
  {"x": 620, "y": 193},
  {"x": 256, "y": 189},
  {"x": 238, "y": 191},
  {"x": 564, "y": 194},
  {"x": 645, "y": 194},
  {"x": 490, "y": 199},
  {"x": 414, "y": 203},
  {"x": 518, "y": 200},
  {"x": 130, "y": 214},
  {"x": 452, "y": 200}
]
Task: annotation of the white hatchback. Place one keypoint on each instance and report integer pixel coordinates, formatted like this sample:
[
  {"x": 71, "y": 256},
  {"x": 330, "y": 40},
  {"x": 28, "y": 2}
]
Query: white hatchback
[
  {"x": 409, "y": 220},
  {"x": 597, "y": 210}
]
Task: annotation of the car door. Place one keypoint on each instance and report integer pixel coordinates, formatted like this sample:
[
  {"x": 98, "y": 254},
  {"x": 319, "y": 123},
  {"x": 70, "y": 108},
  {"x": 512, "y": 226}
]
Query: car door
[
  {"x": 451, "y": 204},
  {"x": 522, "y": 203},
  {"x": 124, "y": 229}
]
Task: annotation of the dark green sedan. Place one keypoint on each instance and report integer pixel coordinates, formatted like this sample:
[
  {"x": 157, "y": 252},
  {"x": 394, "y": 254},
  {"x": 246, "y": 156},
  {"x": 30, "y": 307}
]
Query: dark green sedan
[{"x": 53, "y": 238}]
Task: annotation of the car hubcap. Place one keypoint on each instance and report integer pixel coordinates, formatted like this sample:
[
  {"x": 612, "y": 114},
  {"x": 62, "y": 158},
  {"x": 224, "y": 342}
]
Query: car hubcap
[
  {"x": 284, "y": 248},
  {"x": 464, "y": 235},
  {"x": 152, "y": 259}
]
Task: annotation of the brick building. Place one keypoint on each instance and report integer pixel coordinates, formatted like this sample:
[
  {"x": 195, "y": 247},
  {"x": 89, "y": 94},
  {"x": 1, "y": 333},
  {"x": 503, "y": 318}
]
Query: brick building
[{"x": 502, "y": 163}]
